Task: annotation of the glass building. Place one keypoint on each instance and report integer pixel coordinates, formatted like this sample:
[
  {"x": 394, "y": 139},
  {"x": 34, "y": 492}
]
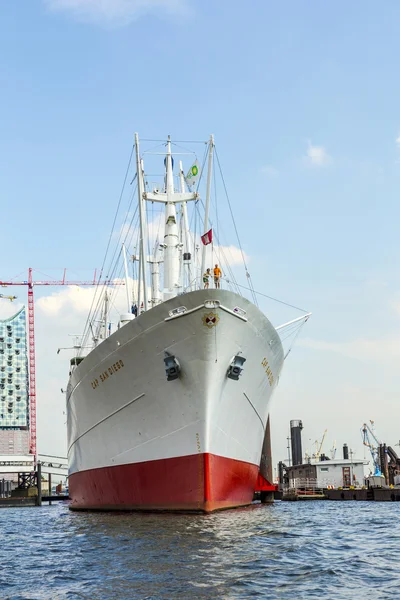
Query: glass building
[{"x": 14, "y": 386}]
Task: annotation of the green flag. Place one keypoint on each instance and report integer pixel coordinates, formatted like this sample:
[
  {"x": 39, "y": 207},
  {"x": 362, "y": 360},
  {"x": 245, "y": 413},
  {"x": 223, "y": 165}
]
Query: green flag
[{"x": 193, "y": 174}]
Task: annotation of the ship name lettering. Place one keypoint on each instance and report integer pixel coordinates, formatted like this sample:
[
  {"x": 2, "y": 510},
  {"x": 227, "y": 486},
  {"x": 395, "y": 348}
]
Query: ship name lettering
[
  {"x": 268, "y": 371},
  {"x": 107, "y": 373}
]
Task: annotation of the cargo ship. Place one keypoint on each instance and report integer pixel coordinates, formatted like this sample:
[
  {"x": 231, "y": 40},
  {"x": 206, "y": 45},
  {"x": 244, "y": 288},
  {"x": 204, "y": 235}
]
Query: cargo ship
[{"x": 169, "y": 412}]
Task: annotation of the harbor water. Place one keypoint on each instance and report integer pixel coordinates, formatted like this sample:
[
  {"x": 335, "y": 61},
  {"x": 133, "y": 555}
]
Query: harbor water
[{"x": 288, "y": 550}]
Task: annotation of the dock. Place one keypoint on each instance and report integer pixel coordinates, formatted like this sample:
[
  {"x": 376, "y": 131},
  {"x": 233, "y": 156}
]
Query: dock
[
  {"x": 364, "y": 494},
  {"x": 32, "y": 488},
  {"x": 303, "y": 495},
  {"x": 378, "y": 494}
]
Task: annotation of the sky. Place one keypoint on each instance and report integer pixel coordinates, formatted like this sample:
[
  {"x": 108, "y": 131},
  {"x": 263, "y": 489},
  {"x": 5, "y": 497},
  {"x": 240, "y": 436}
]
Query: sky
[{"x": 303, "y": 100}]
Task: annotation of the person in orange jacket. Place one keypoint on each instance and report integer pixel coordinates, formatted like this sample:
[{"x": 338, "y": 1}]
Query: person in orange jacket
[{"x": 217, "y": 276}]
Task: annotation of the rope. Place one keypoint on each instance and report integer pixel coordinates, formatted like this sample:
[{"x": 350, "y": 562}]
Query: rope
[
  {"x": 236, "y": 231},
  {"x": 130, "y": 232},
  {"x": 109, "y": 242},
  {"x": 225, "y": 261},
  {"x": 113, "y": 267},
  {"x": 271, "y": 298},
  {"x": 294, "y": 339}
]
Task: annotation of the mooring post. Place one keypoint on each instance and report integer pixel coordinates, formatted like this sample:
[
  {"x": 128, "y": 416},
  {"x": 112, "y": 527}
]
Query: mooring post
[
  {"x": 49, "y": 489},
  {"x": 39, "y": 484}
]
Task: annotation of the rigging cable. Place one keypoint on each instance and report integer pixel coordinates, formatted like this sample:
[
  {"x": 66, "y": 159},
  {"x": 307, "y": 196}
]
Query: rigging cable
[
  {"x": 237, "y": 233},
  {"x": 294, "y": 339},
  {"x": 109, "y": 242},
  {"x": 130, "y": 231},
  {"x": 271, "y": 298},
  {"x": 224, "y": 261}
]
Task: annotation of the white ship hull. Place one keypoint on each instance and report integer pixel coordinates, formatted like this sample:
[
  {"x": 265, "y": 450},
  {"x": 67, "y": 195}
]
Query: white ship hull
[{"x": 138, "y": 441}]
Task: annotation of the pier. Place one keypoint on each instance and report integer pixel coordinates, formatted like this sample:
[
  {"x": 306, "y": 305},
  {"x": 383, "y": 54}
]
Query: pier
[{"x": 31, "y": 486}]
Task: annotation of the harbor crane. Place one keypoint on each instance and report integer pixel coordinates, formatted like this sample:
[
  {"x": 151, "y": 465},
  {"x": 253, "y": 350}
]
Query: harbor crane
[
  {"x": 369, "y": 440},
  {"x": 318, "y": 445},
  {"x": 333, "y": 450},
  {"x": 11, "y": 298},
  {"x": 30, "y": 284}
]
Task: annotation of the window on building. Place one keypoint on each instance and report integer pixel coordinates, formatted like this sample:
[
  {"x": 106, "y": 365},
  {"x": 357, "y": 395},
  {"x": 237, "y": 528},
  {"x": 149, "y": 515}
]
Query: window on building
[{"x": 324, "y": 468}]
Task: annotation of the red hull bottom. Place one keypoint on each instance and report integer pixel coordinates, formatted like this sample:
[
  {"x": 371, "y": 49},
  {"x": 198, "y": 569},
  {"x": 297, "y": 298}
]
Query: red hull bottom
[{"x": 196, "y": 483}]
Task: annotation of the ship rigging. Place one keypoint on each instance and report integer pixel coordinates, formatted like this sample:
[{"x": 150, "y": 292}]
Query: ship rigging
[{"x": 169, "y": 410}]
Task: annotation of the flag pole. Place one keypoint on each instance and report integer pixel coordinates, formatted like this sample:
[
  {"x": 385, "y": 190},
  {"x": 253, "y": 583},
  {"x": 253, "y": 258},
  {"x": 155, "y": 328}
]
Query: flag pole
[{"x": 205, "y": 226}]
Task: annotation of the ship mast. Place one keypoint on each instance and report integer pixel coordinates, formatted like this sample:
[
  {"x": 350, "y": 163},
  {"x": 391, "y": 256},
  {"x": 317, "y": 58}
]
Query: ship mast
[
  {"x": 101, "y": 330},
  {"x": 185, "y": 231},
  {"x": 155, "y": 275},
  {"x": 208, "y": 194},
  {"x": 143, "y": 227},
  {"x": 172, "y": 245},
  {"x": 127, "y": 286},
  {"x": 171, "y": 235}
]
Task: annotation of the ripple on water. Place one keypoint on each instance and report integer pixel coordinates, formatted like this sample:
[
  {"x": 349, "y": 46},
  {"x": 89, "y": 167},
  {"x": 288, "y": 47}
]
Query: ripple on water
[{"x": 289, "y": 550}]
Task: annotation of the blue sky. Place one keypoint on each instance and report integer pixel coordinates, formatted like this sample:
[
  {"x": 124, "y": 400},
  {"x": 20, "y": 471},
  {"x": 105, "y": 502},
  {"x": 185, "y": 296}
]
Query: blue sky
[{"x": 303, "y": 99}]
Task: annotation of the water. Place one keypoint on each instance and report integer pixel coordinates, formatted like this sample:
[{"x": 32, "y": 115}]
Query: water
[{"x": 289, "y": 550}]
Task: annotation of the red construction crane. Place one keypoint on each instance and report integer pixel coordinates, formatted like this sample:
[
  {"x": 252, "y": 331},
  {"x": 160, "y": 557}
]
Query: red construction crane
[{"x": 31, "y": 334}]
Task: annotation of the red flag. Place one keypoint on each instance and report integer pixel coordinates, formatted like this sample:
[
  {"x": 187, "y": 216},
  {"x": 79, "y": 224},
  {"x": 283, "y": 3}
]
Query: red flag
[{"x": 207, "y": 238}]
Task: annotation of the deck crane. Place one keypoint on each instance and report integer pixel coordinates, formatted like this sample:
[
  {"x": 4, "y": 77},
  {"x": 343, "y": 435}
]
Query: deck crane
[{"x": 369, "y": 438}]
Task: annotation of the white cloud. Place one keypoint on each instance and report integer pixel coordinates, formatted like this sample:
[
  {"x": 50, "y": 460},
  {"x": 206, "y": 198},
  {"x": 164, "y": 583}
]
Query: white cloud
[
  {"x": 71, "y": 298},
  {"x": 117, "y": 12},
  {"x": 8, "y": 309},
  {"x": 231, "y": 255},
  {"x": 317, "y": 156},
  {"x": 398, "y": 141},
  {"x": 73, "y": 303}
]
